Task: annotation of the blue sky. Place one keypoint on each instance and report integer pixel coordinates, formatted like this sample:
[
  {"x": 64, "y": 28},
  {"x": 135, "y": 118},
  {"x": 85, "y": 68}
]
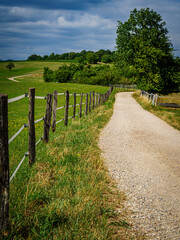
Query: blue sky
[{"x": 43, "y": 27}]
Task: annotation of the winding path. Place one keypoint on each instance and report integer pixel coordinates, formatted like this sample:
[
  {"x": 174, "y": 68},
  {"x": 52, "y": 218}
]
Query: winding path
[
  {"x": 26, "y": 75},
  {"x": 142, "y": 153}
]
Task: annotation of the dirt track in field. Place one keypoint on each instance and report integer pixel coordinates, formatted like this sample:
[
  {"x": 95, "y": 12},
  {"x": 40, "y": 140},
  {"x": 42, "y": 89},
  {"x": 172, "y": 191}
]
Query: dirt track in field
[
  {"x": 27, "y": 75},
  {"x": 142, "y": 154}
]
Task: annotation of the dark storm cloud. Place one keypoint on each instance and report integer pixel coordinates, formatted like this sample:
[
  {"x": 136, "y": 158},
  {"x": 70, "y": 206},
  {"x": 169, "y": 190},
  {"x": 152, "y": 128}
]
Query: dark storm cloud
[{"x": 54, "y": 4}]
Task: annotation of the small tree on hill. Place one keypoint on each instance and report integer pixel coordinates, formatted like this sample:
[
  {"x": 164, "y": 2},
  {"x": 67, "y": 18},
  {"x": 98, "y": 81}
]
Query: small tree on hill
[{"x": 10, "y": 66}]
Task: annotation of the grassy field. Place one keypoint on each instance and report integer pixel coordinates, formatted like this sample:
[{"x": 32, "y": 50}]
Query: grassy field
[
  {"x": 67, "y": 193},
  {"x": 170, "y": 115}
]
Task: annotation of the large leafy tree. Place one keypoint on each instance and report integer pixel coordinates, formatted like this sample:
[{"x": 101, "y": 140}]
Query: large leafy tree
[{"x": 143, "y": 45}]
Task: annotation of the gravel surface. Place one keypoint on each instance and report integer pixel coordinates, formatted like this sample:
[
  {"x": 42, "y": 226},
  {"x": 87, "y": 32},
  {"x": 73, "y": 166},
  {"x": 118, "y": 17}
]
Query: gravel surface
[{"x": 142, "y": 154}]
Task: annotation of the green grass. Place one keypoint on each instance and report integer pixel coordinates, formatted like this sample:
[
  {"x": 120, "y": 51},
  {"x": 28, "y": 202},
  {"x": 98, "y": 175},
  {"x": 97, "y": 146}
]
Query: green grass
[
  {"x": 67, "y": 193},
  {"x": 170, "y": 115},
  {"x": 18, "y": 111}
]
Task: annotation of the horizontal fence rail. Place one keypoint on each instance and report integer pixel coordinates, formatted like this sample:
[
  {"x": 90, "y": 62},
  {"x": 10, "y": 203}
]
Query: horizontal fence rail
[
  {"x": 26, "y": 95},
  {"x": 16, "y": 134},
  {"x": 92, "y": 100},
  {"x": 17, "y": 98}
]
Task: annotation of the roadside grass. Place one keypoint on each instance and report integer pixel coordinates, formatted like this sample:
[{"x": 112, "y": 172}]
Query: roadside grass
[
  {"x": 169, "y": 115},
  {"x": 67, "y": 193}
]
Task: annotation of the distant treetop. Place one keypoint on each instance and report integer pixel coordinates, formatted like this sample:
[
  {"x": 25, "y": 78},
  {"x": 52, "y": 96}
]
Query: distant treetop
[{"x": 83, "y": 56}]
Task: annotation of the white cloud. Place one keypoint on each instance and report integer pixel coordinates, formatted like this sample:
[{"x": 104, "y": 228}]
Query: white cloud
[{"x": 86, "y": 21}]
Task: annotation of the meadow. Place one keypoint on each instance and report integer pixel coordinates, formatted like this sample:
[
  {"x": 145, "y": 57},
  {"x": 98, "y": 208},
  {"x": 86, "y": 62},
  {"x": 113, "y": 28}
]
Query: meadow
[{"x": 67, "y": 193}]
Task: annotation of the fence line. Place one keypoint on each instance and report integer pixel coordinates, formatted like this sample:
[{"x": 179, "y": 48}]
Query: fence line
[
  {"x": 26, "y": 95},
  {"x": 153, "y": 98},
  {"x": 94, "y": 101},
  {"x": 120, "y": 86},
  {"x": 167, "y": 97}
]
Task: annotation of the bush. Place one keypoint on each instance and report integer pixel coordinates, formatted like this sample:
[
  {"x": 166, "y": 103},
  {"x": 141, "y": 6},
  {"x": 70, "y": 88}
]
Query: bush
[
  {"x": 106, "y": 58},
  {"x": 98, "y": 75},
  {"x": 47, "y": 74}
]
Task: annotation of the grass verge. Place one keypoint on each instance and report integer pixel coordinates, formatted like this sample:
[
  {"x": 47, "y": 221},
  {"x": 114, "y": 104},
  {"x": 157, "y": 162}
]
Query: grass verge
[
  {"x": 67, "y": 193},
  {"x": 169, "y": 115}
]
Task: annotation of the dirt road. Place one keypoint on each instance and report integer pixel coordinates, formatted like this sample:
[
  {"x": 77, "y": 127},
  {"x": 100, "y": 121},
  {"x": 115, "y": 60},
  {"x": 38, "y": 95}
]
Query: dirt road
[{"x": 142, "y": 154}]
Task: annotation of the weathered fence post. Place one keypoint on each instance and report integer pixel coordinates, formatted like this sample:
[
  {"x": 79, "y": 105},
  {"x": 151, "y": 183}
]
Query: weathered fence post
[
  {"x": 4, "y": 165},
  {"x": 90, "y": 102},
  {"x": 156, "y": 100},
  {"x": 54, "y": 111},
  {"x": 31, "y": 127},
  {"x": 149, "y": 96},
  {"x": 47, "y": 119},
  {"x": 93, "y": 100},
  {"x": 86, "y": 109},
  {"x": 99, "y": 99},
  {"x": 80, "y": 111},
  {"x": 153, "y": 101},
  {"x": 111, "y": 89},
  {"x": 66, "y": 109},
  {"x": 74, "y": 106}
]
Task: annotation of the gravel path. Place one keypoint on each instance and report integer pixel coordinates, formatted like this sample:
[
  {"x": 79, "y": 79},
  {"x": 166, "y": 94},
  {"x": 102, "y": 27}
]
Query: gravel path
[{"x": 142, "y": 154}]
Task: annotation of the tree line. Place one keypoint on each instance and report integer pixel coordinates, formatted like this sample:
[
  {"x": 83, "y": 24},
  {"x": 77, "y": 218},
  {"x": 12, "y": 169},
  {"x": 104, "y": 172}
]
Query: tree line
[{"x": 91, "y": 57}]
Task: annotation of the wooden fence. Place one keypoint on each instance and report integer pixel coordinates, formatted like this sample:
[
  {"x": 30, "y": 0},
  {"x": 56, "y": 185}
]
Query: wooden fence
[
  {"x": 122, "y": 86},
  {"x": 93, "y": 100},
  {"x": 156, "y": 100}
]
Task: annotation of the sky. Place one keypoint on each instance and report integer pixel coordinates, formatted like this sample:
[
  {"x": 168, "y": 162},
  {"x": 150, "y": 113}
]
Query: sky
[{"x": 45, "y": 26}]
